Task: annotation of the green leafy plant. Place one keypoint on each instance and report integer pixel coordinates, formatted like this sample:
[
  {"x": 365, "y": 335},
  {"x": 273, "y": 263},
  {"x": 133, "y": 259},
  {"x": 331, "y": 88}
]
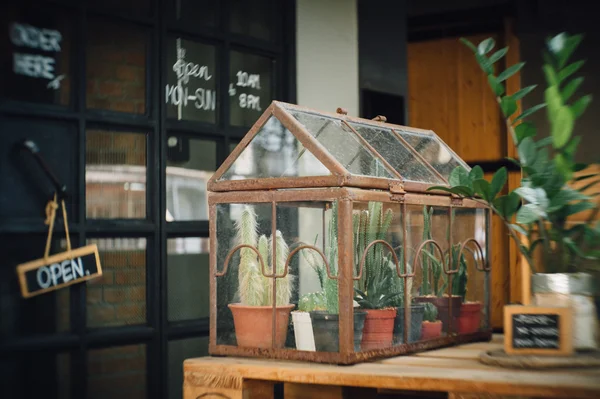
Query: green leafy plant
[
  {"x": 328, "y": 296},
  {"x": 540, "y": 207},
  {"x": 430, "y": 313},
  {"x": 375, "y": 288},
  {"x": 254, "y": 288},
  {"x": 431, "y": 263}
]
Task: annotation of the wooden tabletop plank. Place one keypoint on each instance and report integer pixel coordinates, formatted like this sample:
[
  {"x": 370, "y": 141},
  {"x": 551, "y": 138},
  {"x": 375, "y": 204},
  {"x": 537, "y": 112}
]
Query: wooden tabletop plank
[{"x": 406, "y": 377}]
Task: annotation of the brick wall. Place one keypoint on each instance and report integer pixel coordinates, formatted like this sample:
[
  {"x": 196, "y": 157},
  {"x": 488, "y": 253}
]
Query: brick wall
[
  {"x": 117, "y": 372},
  {"x": 119, "y": 296},
  {"x": 116, "y": 68}
]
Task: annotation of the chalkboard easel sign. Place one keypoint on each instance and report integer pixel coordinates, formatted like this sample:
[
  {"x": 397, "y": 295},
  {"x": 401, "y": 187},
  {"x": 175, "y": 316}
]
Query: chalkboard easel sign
[{"x": 535, "y": 330}]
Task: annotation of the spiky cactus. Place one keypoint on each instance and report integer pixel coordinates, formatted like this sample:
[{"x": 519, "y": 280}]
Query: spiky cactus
[
  {"x": 430, "y": 313},
  {"x": 254, "y": 288},
  {"x": 431, "y": 261}
]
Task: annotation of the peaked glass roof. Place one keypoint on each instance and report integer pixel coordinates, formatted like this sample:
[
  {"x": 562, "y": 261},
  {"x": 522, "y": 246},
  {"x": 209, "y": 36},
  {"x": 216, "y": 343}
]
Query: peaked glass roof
[{"x": 290, "y": 141}]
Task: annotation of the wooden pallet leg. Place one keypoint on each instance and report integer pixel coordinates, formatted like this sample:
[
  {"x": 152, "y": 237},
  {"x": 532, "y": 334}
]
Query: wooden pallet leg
[{"x": 207, "y": 386}]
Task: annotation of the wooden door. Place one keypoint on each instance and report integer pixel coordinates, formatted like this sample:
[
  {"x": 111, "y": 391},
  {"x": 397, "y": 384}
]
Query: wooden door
[{"x": 449, "y": 94}]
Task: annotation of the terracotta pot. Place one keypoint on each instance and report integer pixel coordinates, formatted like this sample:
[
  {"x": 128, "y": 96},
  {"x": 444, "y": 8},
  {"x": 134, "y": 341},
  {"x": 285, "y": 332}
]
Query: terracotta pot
[
  {"x": 253, "y": 325},
  {"x": 470, "y": 318},
  {"x": 441, "y": 303},
  {"x": 431, "y": 330},
  {"x": 379, "y": 329}
]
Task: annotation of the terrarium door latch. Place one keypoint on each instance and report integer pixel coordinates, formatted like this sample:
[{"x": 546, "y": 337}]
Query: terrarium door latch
[{"x": 397, "y": 192}]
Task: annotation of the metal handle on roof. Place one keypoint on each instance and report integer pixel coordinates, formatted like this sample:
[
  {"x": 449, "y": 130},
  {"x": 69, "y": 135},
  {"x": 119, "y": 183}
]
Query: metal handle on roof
[{"x": 31, "y": 147}]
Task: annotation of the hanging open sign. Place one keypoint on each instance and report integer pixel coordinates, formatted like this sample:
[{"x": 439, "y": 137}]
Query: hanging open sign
[{"x": 60, "y": 270}]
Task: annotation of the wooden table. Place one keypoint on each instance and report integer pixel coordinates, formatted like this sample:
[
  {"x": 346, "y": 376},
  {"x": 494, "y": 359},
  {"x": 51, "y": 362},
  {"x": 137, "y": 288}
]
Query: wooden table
[{"x": 450, "y": 372}]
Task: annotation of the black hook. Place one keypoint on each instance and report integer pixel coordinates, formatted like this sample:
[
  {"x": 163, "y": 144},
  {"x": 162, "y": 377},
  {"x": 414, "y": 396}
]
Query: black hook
[{"x": 33, "y": 149}]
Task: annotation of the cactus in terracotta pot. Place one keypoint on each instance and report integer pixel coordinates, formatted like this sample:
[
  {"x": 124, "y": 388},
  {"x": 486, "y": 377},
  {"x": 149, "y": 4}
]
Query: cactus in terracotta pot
[
  {"x": 431, "y": 327},
  {"x": 252, "y": 317}
]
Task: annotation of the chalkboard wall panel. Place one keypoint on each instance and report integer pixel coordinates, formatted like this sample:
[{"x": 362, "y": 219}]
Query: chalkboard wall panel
[
  {"x": 35, "y": 54},
  {"x": 44, "y": 314},
  {"x": 190, "y": 93},
  {"x": 250, "y": 89},
  {"x": 22, "y": 178}
]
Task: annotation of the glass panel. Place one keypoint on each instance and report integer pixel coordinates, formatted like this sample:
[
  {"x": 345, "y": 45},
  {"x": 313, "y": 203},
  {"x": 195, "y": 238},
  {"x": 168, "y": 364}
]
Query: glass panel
[
  {"x": 252, "y": 18},
  {"x": 190, "y": 164},
  {"x": 381, "y": 308},
  {"x": 396, "y": 154},
  {"x": 431, "y": 284},
  {"x": 193, "y": 14},
  {"x": 118, "y": 372},
  {"x": 116, "y": 67},
  {"x": 35, "y": 48},
  {"x": 314, "y": 324},
  {"x": 470, "y": 283},
  {"x": 343, "y": 145},
  {"x": 179, "y": 351},
  {"x": 43, "y": 314},
  {"x": 36, "y": 374},
  {"x": 139, "y": 8},
  {"x": 187, "y": 278},
  {"x": 243, "y": 224},
  {"x": 250, "y": 87},
  {"x": 274, "y": 152},
  {"x": 115, "y": 175},
  {"x": 118, "y": 297},
  {"x": 190, "y": 93},
  {"x": 434, "y": 151}
]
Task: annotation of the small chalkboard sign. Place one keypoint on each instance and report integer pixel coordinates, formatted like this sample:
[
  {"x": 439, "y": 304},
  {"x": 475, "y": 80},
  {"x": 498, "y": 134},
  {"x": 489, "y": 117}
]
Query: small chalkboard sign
[
  {"x": 534, "y": 330},
  {"x": 61, "y": 270}
]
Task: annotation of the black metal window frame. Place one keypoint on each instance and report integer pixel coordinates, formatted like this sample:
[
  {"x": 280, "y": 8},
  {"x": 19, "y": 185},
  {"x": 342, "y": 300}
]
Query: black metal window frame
[{"x": 157, "y": 332}]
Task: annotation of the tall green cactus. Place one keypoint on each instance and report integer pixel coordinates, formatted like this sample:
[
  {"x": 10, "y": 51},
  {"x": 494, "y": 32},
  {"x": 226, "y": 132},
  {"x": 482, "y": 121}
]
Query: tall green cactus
[{"x": 431, "y": 262}]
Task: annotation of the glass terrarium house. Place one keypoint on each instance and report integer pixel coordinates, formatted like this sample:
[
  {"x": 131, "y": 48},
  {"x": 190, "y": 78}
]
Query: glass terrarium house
[{"x": 326, "y": 246}]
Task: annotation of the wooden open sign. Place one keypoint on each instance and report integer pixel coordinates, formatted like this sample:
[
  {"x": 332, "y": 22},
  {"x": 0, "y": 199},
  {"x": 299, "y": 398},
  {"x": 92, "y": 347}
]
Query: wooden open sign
[
  {"x": 536, "y": 330},
  {"x": 61, "y": 270}
]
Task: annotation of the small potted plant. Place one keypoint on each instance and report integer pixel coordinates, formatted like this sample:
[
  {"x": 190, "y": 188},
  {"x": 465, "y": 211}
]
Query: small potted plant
[
  {"x": 374, "y": 291},
  {"x": 252, "y": 316},
  {"x": 553, "y": 191},
  {"x": 324, "y": 305},
  {"x": 470, "y": 311},
  {"x": 302, "y": 324},
  {"x": 431, "y": 327},
  {"x": 434, "y": 290}
]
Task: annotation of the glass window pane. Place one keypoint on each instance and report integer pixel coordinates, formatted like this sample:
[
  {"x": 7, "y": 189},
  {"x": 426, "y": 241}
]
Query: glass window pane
[
  {"x": 179, "y": 351},
  {"x": 396, "y": 154},
  {"x": 192, "y": 14},
  {"x": 116, "y": 67},
  {"x": 36, "y": 374},
  {"x": 117, "y": 373},
  {"x": 139, "y": 8},
  {"x": 436, "y": 153},
  {"x": 190, "y": 164},
  {"x": 43, "y": 314},
  {"x": 35, "y": 52},
  {"x": 250, "y": 91},
  {"x": 118, "y": 297},
  {"x": 232, "y": 146},
  {"x": 252, "y": 18},
  {"x": 274, "y": 152},
  {"x": 341, "y": 142},
  {"x": 115, "y": 175},
  {"x": 190, "y": 93},
  {"x": 187, "y": 278}
]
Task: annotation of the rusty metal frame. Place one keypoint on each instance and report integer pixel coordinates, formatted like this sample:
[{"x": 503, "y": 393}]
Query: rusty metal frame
[{"x": 347, "y": 189}]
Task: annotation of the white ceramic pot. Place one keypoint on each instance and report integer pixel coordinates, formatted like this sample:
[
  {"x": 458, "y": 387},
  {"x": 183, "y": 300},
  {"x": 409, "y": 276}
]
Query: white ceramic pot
[
  {"x": 303, "y": 331},
  {"x": 574, "y": 290}
]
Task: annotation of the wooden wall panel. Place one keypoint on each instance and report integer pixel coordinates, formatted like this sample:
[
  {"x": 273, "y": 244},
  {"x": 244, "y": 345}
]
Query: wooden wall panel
[{"x": 449, "y": 94}]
